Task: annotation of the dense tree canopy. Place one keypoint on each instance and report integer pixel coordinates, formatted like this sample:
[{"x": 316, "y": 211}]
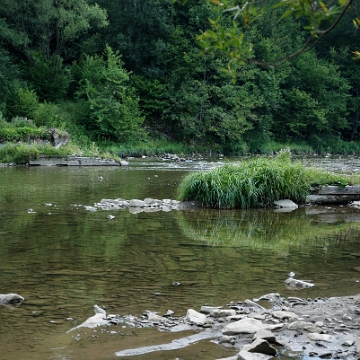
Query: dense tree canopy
[{"x": 124, "y": 70}]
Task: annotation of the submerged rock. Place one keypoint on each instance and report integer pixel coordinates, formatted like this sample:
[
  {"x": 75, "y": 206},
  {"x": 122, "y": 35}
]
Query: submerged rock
[
  {"x": 11, "y": 300},
  {"x": 98, "y": 319},
  {"x": 136, "y": 206},
  {"x": 293, "y": 283}
]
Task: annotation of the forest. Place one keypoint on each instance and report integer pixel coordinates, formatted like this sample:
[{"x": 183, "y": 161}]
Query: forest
[{"x": 127, "y": 73}]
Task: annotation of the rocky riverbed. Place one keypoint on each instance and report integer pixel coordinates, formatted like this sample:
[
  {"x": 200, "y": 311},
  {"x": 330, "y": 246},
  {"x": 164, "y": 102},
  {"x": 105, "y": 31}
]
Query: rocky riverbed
[{"x": 258, "y": 329}]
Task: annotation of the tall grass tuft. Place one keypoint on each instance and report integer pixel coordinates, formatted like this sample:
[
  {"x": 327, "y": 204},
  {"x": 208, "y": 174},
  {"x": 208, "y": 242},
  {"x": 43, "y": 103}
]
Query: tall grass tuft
[{"x": 256, "y": 182}]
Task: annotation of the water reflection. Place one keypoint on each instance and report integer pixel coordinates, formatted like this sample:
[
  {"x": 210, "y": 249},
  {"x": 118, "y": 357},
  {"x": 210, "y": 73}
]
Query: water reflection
[{"x": 303, "y": 228}]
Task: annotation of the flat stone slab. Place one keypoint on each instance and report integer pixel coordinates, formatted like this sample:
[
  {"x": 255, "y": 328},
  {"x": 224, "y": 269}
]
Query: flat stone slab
[
  {"x": 244, "y": 326},
  {"x": 73, "y": 161}
]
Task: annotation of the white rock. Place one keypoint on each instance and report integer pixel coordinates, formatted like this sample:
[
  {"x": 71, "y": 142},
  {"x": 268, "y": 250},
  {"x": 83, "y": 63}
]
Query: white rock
[
  {"x": 303, "y": 325},
  {"x": 244, "y": 326},
  {"x": 11, "y": 298},
  {"x": 196, "y": 317},
  {"x": 357, "y": 343},
  {"x": 245, "y": 355},
  {"x": 97, "y": 320},
  {"x": 286, "y": 203},
  {"x": 207, "y": 309},
  {"x": 284, "y": 315},
  {"x": 137, "y": 203},
  {"x": 265, "y": 334},
  {"x": 222, "y": 312},
  {"x": 319, "y": 337}
]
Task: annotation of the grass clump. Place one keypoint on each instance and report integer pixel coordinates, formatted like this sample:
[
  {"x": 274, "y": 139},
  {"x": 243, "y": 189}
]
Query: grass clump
[{"x": 256, "y": 182}]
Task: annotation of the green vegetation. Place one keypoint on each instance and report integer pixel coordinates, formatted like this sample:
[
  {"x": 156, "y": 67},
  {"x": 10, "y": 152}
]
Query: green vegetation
[
  {"x": 130, "y": 75},
  {"x": 22, "y": 153},
  {"x": 256, "y": 182}
]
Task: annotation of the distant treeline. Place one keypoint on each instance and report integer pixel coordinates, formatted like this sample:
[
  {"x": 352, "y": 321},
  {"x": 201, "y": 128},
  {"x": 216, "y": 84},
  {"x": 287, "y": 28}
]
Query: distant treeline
[{"x": 125, "y": 71}]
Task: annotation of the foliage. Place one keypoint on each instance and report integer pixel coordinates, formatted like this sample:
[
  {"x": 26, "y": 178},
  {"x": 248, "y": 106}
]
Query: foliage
[
  {"x": 21, "y": 129},
  {"x": 47, "y": 22},
  {"x": 48, "y": 76},
  {"x": 21, "y": 153},
  {"x": 114, "y": 110},
  {"x": 9, "y": 77},
  {"x": 47, "y": 114},
  {"x": 153, "y": 81},
  {"x": 23, "y": 102},
  {"x": 256, "y": 182},
  {"x": 318, "y": 19},
  {"x": 315, "y": 105}
]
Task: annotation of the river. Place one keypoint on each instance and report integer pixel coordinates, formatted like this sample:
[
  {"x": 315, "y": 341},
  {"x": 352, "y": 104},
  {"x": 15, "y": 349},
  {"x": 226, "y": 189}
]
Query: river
[{"x": 64, "y": 259}]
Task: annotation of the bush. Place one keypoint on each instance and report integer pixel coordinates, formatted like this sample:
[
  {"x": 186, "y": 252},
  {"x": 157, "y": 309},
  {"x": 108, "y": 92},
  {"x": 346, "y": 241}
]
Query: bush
[
  {"x": 10, "y": 132},
  {"x": 18, "y": 153},
  {"x": 47, "y": 114},
  {"x": 22, "y": 103}
]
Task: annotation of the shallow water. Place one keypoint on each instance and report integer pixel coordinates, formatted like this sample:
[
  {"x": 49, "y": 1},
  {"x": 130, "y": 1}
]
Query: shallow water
[{"x": 64, "y": 259}]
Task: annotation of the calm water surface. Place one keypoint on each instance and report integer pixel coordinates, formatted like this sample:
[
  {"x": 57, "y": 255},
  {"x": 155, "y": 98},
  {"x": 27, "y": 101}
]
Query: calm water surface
[{"x": 64, "y": 259}]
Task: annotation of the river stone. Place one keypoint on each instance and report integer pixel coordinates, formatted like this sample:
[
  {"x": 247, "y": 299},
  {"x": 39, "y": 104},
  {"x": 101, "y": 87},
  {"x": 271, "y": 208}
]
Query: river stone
[
  {"x": 319, "y": 337},
  {"x": 207, "y": 309},
  {"x": 136, "y": 210},
  {"x": 284, "y": 315},
  {"x": 236, "y": 317},
  {"x": 222, "y": 312},
  {"x": 137, "y": 203},
  {"x": 286, "y": 203},
  {"x": 262, "y": 346},
  {"x": 244, "y": 326},
  {"x": 11, "y": 298},
  {"x": 357, "y": 344},
  {"x": 246, "y": 355},
  {"x": 229, "y": 358},
  {"x": 265, "y": 334},
  {"x": 154, "y": 317},
  {"x": 196, "y": 317},
  {"x": 303, "y": 325}
]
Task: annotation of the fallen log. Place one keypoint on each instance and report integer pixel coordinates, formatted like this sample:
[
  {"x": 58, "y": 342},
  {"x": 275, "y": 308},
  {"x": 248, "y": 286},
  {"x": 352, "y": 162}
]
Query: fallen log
[{"x": 334, "y": 194}]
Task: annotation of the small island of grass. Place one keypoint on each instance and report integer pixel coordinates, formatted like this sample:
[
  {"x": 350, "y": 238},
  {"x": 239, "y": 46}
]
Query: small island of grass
[{"x": 257, "y": 182}]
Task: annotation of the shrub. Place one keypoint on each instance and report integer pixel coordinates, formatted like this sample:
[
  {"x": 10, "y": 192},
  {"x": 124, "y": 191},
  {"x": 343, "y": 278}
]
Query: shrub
[
  {"x": 18, "y": 153},
  {"x": 24, "y": 133},
  {"x": 47, "y": 114},
  {"x": 22, "y": 103}
]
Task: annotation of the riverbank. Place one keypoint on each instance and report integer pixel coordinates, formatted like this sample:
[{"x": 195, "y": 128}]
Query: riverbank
[{"x": 254, "y": 329}]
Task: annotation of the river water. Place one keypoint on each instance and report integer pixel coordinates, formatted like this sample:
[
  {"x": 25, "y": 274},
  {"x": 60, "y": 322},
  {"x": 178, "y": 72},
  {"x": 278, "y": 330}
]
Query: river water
[{"x": 64, "y": 259}]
